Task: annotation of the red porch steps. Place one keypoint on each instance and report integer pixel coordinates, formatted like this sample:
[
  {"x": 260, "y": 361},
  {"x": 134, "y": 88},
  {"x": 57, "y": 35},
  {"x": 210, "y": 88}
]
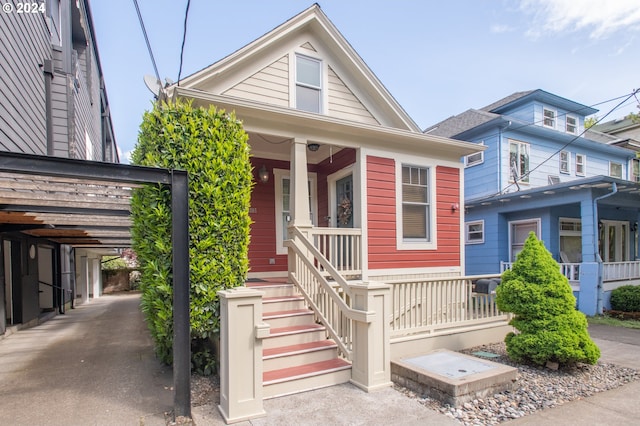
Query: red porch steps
[{"x": 297, "y": 356}]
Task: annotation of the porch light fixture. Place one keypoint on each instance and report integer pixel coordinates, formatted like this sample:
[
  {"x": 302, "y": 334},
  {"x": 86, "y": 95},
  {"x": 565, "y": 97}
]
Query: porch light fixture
[
  {"x": 313, "y": 147},
  {"x": 263, "y": 174}
]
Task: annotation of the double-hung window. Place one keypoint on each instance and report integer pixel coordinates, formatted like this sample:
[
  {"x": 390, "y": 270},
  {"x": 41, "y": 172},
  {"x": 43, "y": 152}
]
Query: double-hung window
[
  {"x": 474, "y": 232},
  {"x": 308, "y": 84},
  {"x": 549, "y": 118},
  {"x": 581, "y": 165},
  {"x": 635, "y": 170},
  {"x": 519, "y": 161},
  {"x": 571, "y": 125},
  {"x": 615, "y": 169},
  {"x": 415, "y": 203},
  {"x": 565, "y": 156}
]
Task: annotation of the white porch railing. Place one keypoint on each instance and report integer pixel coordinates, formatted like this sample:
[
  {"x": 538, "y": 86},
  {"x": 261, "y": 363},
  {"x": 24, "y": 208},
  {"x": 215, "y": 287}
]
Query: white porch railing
[
  {"x": 342, "y": 247},
  {"x": 619, "y": 271},
  {"x": 611, "y": 271},
  {"x": 431, "y": 305},
  {"x": 330, "y": 301}
]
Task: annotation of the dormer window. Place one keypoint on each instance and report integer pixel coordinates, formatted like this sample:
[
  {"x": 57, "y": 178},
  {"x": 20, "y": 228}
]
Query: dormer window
[
  {"x": 549, "y": 118},
  {"x": 571, "y": 125},
  {"x": 308, "y": 84}
]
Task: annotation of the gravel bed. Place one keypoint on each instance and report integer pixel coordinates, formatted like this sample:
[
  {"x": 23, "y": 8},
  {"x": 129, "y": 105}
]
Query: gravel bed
[{"x": 537, "y": 388}]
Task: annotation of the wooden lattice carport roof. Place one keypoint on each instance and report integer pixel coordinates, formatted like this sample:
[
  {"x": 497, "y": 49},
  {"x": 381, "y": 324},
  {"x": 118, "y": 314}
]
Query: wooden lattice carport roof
[{"x": 75, "y": 211}]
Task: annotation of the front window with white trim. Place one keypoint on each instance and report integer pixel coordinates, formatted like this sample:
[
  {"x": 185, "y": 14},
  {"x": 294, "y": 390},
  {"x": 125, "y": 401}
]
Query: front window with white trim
[
  {"x": 474, "y": 232},
  {"x": 415, "y": 203},
  {"x": 519, "y": 232},
  {"x": 635, "y": 170},
  {"x": 308, "y": 84}
]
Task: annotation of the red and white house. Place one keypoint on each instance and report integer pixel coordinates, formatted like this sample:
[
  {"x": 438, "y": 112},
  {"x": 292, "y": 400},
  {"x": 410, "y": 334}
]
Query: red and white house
[
  {"x": 337, "y": 151},
  {"x": 354, "y": 208}
]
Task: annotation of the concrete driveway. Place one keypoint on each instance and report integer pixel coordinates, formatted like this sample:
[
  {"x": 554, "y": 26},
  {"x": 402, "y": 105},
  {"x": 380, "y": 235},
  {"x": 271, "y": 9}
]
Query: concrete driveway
[{"x": 94, "y": 365}]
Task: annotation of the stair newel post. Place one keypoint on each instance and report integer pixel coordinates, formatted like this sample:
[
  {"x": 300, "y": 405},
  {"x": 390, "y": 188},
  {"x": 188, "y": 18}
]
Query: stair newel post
[
  {"x": 241, "y": 334},
  {"x": 371, "y": 363}
]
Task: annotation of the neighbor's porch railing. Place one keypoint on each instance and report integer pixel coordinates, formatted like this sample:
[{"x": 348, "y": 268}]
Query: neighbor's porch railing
[
  {"x": 342, "y": 247},
  {"x": 618, "y": 271},
  {"x": 611, "y": 271},
  {"x": 435, "y": 304}
]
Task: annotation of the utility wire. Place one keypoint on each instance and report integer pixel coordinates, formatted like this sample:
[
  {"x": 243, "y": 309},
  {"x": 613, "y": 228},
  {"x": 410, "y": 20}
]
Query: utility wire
[
  {"x": 184, "y": 38},
  {"x": 631, "y": 95},
  {"x": 146, "y": 39}
]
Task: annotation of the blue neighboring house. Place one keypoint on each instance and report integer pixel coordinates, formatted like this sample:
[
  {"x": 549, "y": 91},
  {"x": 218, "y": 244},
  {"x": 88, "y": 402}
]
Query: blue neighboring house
[{"x": 541, "y": 172}]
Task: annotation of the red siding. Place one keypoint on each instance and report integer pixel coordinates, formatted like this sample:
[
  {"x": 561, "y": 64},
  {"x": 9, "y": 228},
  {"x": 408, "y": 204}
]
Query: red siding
[
  {"x": 262, "y": 246},
  {"x": 381, "y": 219}
]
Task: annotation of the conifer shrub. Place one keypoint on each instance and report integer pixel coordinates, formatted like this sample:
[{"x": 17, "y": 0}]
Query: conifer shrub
[
  {"x": 626, "y": 298},
  {"x": 212, "y": 147},
  {"x": 549, "y": 328}
]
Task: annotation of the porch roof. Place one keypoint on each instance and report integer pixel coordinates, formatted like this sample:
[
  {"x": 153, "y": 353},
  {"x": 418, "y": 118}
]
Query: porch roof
[
  {"x": 601, "y": 184},
  {"x": 291, "y": 123}
]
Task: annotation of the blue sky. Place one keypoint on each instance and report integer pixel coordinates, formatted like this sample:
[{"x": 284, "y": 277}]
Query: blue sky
[{"x": 437, "y": 58}]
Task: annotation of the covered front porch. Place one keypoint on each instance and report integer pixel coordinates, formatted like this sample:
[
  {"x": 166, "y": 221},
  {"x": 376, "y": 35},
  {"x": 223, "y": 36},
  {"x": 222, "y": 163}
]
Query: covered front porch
[{"x": 590, "y": 226}]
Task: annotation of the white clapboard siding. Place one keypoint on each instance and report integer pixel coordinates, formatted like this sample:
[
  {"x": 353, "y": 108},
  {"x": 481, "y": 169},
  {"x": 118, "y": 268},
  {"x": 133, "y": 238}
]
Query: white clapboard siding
[
  {"x": 344, "y": 104},
  {"x": 269, "y": 85}
]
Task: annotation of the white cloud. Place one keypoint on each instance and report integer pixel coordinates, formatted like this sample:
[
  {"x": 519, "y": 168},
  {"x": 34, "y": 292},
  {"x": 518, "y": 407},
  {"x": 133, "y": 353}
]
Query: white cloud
[{"x": 600, "y": 18}]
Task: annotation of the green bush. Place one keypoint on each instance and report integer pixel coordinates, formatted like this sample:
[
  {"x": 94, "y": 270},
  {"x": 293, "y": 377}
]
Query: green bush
[
  {"x": 626, "y": 298},
  {"x": 211, "y": 146},
  {"x": 540, "y": 297}
]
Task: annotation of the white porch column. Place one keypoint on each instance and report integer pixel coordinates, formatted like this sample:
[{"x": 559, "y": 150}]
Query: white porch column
[
  {"x": 299, "y": 202},
  {"x": 241, "y": 334},
  {"x": 371, "y": 363}
]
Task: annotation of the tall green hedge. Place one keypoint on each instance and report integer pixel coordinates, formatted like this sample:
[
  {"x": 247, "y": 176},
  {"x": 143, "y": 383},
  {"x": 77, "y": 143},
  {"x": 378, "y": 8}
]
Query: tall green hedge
[
  {"x": 549, "y": 327},
  {"x": 211, "y": 146}
]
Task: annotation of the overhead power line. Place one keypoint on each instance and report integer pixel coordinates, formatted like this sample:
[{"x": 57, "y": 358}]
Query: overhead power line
[
  {"x": 184, "y": 38},
  {"x": 146, "y": 39}
]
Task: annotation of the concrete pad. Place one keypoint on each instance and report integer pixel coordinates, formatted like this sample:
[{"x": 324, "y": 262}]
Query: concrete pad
[{"x": 451, "y": 377}]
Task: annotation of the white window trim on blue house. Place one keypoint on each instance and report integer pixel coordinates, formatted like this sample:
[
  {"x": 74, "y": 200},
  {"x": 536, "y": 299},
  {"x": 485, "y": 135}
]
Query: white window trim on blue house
[
  {"x": 573, "y": 127},
  {"x": 565, "y": 162},
  {"x": 549, "y": 120},
  {"x": 582, "y": 164},
  {"x": 522, "y": 169},
  {"x": 615, "y": 169},
  {"x": 531, "y": 223},
  {"x": 475, "y": 158},
  {"x": 474, "y": 236}
]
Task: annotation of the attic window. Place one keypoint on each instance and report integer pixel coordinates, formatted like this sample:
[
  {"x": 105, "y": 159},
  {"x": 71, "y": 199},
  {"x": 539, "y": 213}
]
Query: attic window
[
  {"x": 308, "y": 84},
  {"x": 549, "y": 118}
]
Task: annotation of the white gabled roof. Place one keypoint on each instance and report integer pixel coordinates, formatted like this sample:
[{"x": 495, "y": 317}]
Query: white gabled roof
[{"x": 310, "y": 28}]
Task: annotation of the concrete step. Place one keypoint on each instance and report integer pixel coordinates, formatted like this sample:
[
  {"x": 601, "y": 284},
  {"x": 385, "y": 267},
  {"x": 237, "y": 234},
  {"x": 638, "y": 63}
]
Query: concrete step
[
  {"x": 288, "y": 318},
  {"x": 300, "y": 354},
  {"x": 306, "y": 377},
  {"x": 293, "y": 335}
]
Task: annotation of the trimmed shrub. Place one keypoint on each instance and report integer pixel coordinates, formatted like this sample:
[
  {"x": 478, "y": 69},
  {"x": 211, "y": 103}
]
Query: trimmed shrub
[
  {"x": 626, "y": 298},
  {"x": 211, "y": 146},
  {"x": 540, "y": 297}
]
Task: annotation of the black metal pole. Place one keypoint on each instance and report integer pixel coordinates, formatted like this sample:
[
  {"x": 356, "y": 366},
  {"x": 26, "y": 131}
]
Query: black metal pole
[{"x": 181, "y": 325}]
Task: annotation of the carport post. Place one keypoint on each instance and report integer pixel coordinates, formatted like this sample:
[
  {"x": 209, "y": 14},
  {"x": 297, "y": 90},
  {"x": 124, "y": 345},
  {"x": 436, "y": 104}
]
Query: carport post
[{"x": 181, "y": 325}]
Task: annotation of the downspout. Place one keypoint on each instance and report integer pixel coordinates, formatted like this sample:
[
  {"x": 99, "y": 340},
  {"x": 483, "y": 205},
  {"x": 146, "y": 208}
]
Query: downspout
[
  {"x": 614, "y": 190},
  {"x": 500, "y": 130},
  {"x": 48, "y": 104}
]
